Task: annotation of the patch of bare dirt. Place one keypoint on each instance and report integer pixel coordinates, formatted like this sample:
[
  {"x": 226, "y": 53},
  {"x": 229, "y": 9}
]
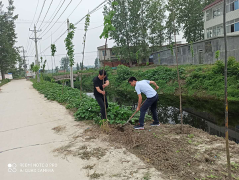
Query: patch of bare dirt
[
  {"x": 188, "y": 154},
  {"x": 59, "y": 129}
]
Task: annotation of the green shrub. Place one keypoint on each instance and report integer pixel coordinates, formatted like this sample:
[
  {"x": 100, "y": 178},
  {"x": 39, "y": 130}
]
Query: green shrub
[
  {"x": 5, "y": 81},
  {"x": 218, "y": 68},
  {"x": 87, "y": 108},
  {"x": 123, "y": 73}
]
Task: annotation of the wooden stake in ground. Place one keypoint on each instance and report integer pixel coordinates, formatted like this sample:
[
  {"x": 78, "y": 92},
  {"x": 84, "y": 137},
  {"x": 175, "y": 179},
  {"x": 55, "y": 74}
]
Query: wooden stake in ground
[
  {"x": 226, "y": 101},
  {"x": 104, "y": 80},
  {"x": 87, "y": 23},
  {"x": 107, "y": 28},
  {"x": 179, "y": 83}
]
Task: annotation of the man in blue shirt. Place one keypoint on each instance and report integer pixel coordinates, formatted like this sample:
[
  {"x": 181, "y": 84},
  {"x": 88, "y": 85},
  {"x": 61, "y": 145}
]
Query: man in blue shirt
[{"x": 152, "y": 99}]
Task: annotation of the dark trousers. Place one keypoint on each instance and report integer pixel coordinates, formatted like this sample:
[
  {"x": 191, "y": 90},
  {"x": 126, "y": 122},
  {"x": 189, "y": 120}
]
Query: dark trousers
[
  {"x": 100, "y": 100},
  {"x": 149, "y": 102}
]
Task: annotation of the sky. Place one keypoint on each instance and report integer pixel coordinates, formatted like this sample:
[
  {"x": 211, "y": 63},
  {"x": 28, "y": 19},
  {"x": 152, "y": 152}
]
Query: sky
[
  {"x": 26, "y": 10},
  {"x": 30, "y": 11}
]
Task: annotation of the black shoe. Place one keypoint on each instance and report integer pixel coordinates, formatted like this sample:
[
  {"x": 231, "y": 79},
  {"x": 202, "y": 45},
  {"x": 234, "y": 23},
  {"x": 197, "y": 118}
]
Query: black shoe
[
  {"x": 155, "y": 124},
  {"x": 139, "y": 127}
]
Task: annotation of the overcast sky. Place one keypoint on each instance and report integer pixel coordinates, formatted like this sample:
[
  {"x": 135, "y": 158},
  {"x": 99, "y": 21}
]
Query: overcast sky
[{"x": 26, "y": 10}]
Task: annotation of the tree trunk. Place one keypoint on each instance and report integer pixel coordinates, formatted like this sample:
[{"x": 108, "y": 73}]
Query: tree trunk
[
  {"x": 226, "y": 101},
  {"x": 3, "y": 75}
]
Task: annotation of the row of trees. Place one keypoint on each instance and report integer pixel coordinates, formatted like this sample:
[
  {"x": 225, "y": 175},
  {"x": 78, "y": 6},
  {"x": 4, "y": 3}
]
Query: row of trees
[
  {"x": 9, "y": 54},
  {"x": 150, "y": 23},
  {"x": 65, "y": 64}
]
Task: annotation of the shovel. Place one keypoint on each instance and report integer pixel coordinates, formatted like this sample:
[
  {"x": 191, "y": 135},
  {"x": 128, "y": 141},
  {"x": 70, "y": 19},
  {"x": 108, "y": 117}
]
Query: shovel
[{"x": 132, "y": 116}]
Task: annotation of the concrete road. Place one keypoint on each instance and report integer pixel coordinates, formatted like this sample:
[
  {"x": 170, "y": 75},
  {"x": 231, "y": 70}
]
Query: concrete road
[
  {"x": 27, "y": 139},
  {"x": 27, "y": 142}
]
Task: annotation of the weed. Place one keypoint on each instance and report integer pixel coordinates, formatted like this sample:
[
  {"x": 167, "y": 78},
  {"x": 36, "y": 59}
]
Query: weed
[
  {"x": 147, "y": 176},
  {"x": 191, "y": 135},
  {"x": 90, "y": 167},
  {"x": 59, "y": 129},
  {"x": 212, "y": 176},
  {"x": 235, "y": 166},
  {"x": 95, "y": 175}
]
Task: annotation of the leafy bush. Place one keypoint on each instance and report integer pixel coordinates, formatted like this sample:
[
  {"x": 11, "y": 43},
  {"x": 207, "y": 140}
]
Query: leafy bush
[
  {"x": 123, "y": 73},
  {"x": 218, "y": 68},
  {"x": 213, "y": 81},
  {"x": 5, "y": 81},
  {"x": 87, "y": 108}
]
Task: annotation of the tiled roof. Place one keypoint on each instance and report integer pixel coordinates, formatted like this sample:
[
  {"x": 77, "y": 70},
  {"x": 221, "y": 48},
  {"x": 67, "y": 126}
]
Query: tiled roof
[{"x": 212, "y": 4}]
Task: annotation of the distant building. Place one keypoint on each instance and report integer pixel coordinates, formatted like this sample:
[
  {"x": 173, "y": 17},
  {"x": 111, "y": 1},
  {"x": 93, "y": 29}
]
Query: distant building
[
  {"x": 203, "y": 52},
  {"x": 109, "y": 56},
  {"x": 213, "y": 18}
]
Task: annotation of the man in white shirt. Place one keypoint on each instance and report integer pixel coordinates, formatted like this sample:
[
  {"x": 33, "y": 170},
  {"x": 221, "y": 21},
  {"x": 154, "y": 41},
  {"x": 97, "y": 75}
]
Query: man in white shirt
[{"x": 152, "y": 99}]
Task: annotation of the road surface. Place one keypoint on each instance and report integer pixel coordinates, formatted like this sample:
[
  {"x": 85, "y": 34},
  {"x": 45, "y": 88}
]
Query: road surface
[{"x": 27, "y": 142}]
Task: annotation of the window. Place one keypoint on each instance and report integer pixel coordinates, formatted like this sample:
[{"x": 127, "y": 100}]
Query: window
[
  {"x": 237, "y": 26},
  {"x": 236, "y": 5},
  {"x": 209, "y": 14},
  {"x": 214, "y": 31},
  {"x": 209, "y": 32},
  {"x": 232, "y": 28},
  {"x": 220, "y": 30},
  {"x": 217, "y": 11},
  {"x": 232, "y": 5},
  {"x": 208, "y": 47},
  {"x": 104, "y": 54},
  {"x": 112, "y": 53}
]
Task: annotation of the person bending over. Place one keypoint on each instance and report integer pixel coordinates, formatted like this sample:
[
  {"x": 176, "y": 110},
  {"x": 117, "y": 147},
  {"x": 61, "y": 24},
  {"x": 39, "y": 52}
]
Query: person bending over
[{"x": 151, "y": 101}]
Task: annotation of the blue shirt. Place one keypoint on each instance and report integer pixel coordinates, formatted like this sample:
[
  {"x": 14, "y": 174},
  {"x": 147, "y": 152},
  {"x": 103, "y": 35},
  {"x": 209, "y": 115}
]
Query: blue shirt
[{"x": 144, "y": 87}]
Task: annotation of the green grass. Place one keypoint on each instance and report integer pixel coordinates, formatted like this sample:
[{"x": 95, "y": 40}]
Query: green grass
[
  {"x": 5, "y": 81},
  {"x": 203, "y": 81}
]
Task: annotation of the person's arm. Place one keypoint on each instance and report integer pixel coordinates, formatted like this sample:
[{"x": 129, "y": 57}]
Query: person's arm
[
  {"x": 99, "y": 90},
  {"x": 107, "y": 83},
  {"x": 154, "y": 83},
  {"x": 139, "y": 102}
]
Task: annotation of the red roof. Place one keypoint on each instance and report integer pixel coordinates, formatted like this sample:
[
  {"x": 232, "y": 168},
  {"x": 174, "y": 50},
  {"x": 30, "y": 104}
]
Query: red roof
[{"x": 212, "y": 4}]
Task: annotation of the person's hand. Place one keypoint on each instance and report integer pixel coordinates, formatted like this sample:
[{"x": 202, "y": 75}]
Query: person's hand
[
  {"x": 138, "y": 109},
  {"x": 157, "y": 87},
  {"x": 104, "y": 86},
  {"x": 103, "y": 92}
]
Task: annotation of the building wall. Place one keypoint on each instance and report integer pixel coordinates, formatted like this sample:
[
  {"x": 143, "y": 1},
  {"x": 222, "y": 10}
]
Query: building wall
[
  {"x": 101, "y": 56},
  {"x": 204, "y": 52},
  {"x": 232, "y": 15}
]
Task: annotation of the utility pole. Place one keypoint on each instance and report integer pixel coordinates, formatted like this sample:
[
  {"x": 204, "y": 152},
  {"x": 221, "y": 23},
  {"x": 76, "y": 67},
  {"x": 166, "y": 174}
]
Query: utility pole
[
  {"x": 24, "y": 62},
  {"x": 71, "y": 73},
  {"x": 37, "y": 60}
]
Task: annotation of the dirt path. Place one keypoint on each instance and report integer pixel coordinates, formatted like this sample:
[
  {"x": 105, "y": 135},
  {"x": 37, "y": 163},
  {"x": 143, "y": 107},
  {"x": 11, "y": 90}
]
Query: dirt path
[{"x": 39, "y": 140}]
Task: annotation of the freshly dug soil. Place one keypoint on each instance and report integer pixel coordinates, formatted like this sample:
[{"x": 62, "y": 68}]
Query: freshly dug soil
[{"x": 185, "y": 155}]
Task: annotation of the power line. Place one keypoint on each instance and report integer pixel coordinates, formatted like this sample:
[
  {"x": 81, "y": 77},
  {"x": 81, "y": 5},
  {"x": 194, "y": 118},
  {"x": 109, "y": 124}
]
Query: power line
[
  {"x": 31, "y": 25},
  {"x": 41, "y": 11},
  {"x": 58, "y": 18},
  {"x": 53, "y": 13},
  {"x": 92, "y": 28},
  {"x": 46, "y": 13},
  {"x": 93, "y": 11},
  {"x": 64, "y": 54},
  {"x": 65, "y": 20},
  {"x": 54, "y": 17},
  {"x": 35, "y": 12}
]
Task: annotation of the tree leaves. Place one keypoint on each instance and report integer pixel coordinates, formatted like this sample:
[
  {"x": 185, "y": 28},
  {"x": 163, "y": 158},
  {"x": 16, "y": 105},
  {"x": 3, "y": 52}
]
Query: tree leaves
[
  {"x": 9, "y": 54},
  {"x": 53, "y": 49},
  {"x": 69, "y": 43}
]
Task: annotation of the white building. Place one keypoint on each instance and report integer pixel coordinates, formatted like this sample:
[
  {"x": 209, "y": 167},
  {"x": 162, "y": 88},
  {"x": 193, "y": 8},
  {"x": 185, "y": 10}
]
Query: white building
[{"x": 213, "y": 16}]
